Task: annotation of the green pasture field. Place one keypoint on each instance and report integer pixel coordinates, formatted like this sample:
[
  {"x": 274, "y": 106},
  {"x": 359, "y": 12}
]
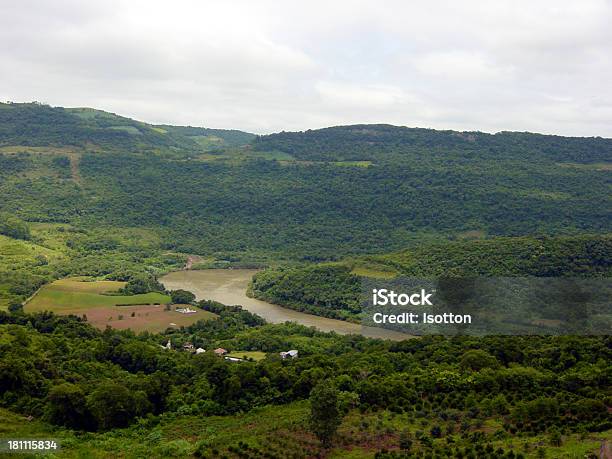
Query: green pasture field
[
  {"x": 91, "y": 300},
  {"x": 373, "y": 272},
  {"x": 255, "y": 355},
  {"x": 79, "y": 294},
  {"x": 352, "y": 163}
]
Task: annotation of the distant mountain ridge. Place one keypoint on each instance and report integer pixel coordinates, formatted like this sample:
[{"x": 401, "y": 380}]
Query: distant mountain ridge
[
  {"x": 311, "y": 196},
  {"x": 372, "y": 141},
  {"x": 34, "y": 124}
]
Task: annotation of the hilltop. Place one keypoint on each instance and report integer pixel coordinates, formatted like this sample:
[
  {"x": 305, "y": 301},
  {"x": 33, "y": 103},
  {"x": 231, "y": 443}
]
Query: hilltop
[
  {"x": 39, "y": 125},
  {"x": 379, "y": 142}
]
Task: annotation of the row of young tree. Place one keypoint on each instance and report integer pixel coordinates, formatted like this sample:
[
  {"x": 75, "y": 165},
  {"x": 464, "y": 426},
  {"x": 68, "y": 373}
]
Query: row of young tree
[{"x": 64, "y": 370}]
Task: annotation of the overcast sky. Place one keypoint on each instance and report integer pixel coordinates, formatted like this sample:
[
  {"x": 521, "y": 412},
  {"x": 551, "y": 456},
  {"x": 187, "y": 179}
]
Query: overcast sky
[{"x": 264, "y": 66}]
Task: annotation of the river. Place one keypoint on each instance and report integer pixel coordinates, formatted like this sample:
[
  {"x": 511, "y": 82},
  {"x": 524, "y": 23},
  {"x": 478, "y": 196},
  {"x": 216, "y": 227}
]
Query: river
[{"x": 228, "y": 286}]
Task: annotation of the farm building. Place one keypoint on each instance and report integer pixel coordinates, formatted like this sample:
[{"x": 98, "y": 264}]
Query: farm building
[
  {"x": 289, "y": 354},
  {"x": 220, "y": 351}
]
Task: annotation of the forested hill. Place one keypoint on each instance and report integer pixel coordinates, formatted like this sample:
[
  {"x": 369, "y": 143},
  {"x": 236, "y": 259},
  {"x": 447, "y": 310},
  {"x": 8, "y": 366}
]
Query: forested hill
[
  {"x": 382, "y": 142},
  {"x": 34, "y": 124},
  {"x": 315, "y": 195},
  {"x": 334, "y": 289}
]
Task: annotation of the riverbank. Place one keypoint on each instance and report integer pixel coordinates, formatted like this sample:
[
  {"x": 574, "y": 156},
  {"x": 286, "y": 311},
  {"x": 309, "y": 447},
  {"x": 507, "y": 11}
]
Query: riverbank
[{"x": 229, "y": 286}]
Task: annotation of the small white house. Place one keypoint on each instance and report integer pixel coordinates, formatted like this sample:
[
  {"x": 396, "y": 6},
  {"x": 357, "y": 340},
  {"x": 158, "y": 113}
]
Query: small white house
[
  {"x": 186, "y": 310},
  {"x": 199, "y": 350},
  {"x": 289, "y": 354}
]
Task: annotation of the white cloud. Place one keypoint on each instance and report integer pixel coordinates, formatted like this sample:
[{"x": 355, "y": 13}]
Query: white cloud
[
  {"x": 460, "y": 65},
  {"x": 267, "y": 65},
  {"x": 362, "y": 97}
]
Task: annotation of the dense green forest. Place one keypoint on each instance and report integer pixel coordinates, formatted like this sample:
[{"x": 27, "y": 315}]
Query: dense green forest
[
  {"x": 90, "y": 193},
  {"x": 326, "y": 290},
  {"x": 244, "y": 203},
  {"x": 381, "y": 142},
  {"x": 334, "y": 289},
  {"x": 459, "y": 397}
]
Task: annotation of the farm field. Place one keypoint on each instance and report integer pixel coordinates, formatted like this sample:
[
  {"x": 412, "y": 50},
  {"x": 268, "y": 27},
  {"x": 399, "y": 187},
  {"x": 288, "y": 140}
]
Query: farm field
[
  {"x": 152, "y": 318},
  {"x": 83, "y": 297},
  {"x": 245, "y": 355},
  {"x": 76, "y": 295}
]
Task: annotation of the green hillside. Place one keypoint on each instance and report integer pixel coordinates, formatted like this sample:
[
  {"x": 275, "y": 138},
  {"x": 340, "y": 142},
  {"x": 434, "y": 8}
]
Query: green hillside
[
  {"x": 381, "y": 142},
  {"x": 89, "y": 193},
  {"x": 211, "y": 138},
  {"x": 33, "y": 124},
  {"x": 317, "y": 195},
  {"x": 334, "y": 290},
  {"x": 103, "y": 394}
]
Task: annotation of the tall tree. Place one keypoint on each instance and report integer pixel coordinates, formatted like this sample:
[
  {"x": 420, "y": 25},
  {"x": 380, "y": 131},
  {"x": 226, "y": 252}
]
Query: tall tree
[{"x": 325, "y": 417}]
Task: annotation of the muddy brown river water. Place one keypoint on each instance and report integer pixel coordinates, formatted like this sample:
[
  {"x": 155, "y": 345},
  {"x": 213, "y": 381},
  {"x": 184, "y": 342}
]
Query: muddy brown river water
[{"x": 228, "y": 286}]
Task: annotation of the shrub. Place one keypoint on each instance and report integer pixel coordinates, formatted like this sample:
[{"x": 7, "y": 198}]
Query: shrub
[
  {"x": 477, "y": 359},
  {"x": 14, "y": 227}
]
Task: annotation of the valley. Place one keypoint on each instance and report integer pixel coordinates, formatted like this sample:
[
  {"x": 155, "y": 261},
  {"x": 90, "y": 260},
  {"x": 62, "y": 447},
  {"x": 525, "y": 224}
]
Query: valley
[{"x": 104, "y": 220}]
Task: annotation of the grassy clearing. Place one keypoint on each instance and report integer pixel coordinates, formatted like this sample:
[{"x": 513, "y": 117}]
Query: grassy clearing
[
  {"x": 133, "y": 237},
  {"x": 370, "y": 268},
  {"x": 23, "y": 256},
  {"x": 129, "y": 129},
  {"x": 245, "y": 355},
  {"x": 593, "y": 166},
  {"x": 209, "y": 157},
  {"x": 352, "y": 163},
  {"x": 207, "y": 141},
  {"x": 472, "y": 234},
  {"x": 78, "y": 295},
  {"x": 73, "y": 154},
  {"x": 277, "y": 155},
  {"x": 295, "y": 162},
  {"x": 88, "y": 113},
  {"x": 16, "y": 253},
  {"x": 375, "y": 273}
]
